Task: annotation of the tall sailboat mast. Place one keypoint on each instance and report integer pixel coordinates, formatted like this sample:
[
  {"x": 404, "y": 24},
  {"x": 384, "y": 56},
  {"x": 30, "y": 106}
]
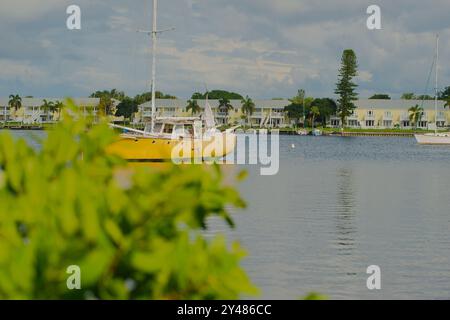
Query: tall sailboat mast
[
  {"x": 154, "y": 39},
  {"x": 154, "y": 33},
  {"x": 436, "y": 88}
]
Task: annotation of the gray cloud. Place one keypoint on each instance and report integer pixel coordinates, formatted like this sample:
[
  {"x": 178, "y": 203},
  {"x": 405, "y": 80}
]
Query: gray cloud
[{"x": 263, "y": 48}]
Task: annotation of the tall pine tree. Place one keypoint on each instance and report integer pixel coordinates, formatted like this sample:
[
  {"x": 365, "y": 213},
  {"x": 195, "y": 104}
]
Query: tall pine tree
[{"x": 345, "y": 86}]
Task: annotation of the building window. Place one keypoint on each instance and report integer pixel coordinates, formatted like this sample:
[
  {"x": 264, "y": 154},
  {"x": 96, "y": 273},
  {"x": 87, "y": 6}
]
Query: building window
[
  {"x": 352, "y": 123},
  {"x": 422, "y": 124},
  {"x": 335, "y": 123},
  {"x": 370, "y": 123},
  {"x": 405, "y": 124},
  {"x": 387, "y": 123}
]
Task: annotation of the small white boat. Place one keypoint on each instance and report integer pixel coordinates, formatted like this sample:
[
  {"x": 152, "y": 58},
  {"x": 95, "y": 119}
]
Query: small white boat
[
  {"x": 316, "y": 132},
  {"x": 433, "y": 138}
]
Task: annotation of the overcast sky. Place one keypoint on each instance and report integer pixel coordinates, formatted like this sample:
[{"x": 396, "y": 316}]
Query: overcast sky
[{"x": 263, "y": 48}]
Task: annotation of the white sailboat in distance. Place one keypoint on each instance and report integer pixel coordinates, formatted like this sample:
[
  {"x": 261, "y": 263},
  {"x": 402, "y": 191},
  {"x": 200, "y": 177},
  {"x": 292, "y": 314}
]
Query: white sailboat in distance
[{"x": 435, "y": 138}]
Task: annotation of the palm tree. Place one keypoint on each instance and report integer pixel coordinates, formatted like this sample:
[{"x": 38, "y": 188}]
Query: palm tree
[
  {"x": 248, "y": 107},
  {"x": 106, "y": 105},
  {"x": 47, "y": 107},
  {"x": 193, "y": 106},
  {"x": 415, "y": 114},
  {"x": 57, "y": 107},
  {"x": 299, "y": 100},
  {"x": 15, "y": 102},
  {"x": 315, "y": 112},
  {"x": 225, "y": 107}
]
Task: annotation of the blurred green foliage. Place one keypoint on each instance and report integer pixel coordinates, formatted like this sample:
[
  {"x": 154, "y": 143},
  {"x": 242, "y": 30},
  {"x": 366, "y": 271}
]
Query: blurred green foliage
[{"x": 135, "y": 236}]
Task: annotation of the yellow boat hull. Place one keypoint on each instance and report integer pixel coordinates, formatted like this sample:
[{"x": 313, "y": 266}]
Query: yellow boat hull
[{"x": 139, "y": 148}]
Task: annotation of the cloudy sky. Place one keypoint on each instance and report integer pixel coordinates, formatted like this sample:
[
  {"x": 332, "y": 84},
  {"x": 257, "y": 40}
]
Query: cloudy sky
[{"x": 263, "y": 48}]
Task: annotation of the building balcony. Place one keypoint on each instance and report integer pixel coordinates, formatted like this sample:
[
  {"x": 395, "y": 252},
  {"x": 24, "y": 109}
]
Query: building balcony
[
  {"x": 387, "y": 116},
  {"x": 221, "y": 115},
  {"x": 277, "y": 116},
  {"x": 441, "y": 116},
  {"x": 257, "y": 115},
  {"x": 404, "y": 117}
]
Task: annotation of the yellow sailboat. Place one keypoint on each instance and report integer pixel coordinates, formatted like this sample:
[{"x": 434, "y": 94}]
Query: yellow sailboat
[
  {"x": 173, "y": 138},
  {"x": 177, "y": 139}
]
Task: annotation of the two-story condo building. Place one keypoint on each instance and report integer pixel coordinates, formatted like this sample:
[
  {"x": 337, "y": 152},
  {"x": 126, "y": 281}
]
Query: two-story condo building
[
  {"x": 32, "y": 110},
  {"x": 377, "y": 114},
  {"x": 387, "y": 114},
  {"x": 268, "y": 113}
]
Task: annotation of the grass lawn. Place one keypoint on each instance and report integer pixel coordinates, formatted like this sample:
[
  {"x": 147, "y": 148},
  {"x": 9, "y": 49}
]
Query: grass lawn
[{"x": 392, "y": 130}]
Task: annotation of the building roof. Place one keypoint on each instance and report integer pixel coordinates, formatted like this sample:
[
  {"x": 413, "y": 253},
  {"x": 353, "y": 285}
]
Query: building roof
[
  {"x": 37, "y": 102},
  {"x": 374, "y": 104},
  {"x": 396, "y": 104},
  {"x": 237, "y": 104}
]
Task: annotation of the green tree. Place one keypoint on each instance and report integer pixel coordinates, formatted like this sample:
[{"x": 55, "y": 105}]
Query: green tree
[
  {"x": 327, "y": 107},
  {"x": 314, "y": 112},
  {"x": 445, "y": 94},
  {"x": 127, "y": 108},
  {"x": 225, "y": 106},
  {"x": 58, "y": 106},
  {"x": 408, "y": 96},
  {"x": 415, "y": 114},
  {"x": 218, "y": 95},
  {"x": 380, "y": 96},
  {"x": 425, "y": 97},
  {"x": 47, "y": 107},
  {"x": 140, "y": 236},
  {"x": 106, "y": 106},
  {"x": 345, "y": 87},
  {"x": 147, "y": 96},
  {"x": 113, "y": 94},
  {"x": 248, "y": 108},
  {"x": 296, "y": 110},
  {"x": 193, "y": 107},
  {"x": 15, "y": 102},
  {"x": 198, "y": 96},
  {"x": 447, "y": 103}
]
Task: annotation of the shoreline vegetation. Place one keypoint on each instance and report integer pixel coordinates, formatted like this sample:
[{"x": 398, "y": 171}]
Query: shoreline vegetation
[
  {"x": 282, "y": 131},
  {"x": 303, "y": 112},
  {"x": 128, "y": 240}
]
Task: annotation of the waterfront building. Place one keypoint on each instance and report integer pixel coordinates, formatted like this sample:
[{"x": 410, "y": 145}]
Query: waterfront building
[
  {"x": 268, "y": 113},
  {"x": 32, "y": 110},
  {"x": 369, "y": 114},
  {"x": 389, "y": 114}
]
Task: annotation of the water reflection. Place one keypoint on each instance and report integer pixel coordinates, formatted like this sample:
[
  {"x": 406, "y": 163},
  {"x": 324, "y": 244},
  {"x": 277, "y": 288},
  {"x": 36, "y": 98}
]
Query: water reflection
[{"x": 345, "y": 211}]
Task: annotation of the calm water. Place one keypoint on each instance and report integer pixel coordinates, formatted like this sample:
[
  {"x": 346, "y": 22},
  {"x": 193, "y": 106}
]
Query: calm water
[{"x": 339, "y": 205}]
